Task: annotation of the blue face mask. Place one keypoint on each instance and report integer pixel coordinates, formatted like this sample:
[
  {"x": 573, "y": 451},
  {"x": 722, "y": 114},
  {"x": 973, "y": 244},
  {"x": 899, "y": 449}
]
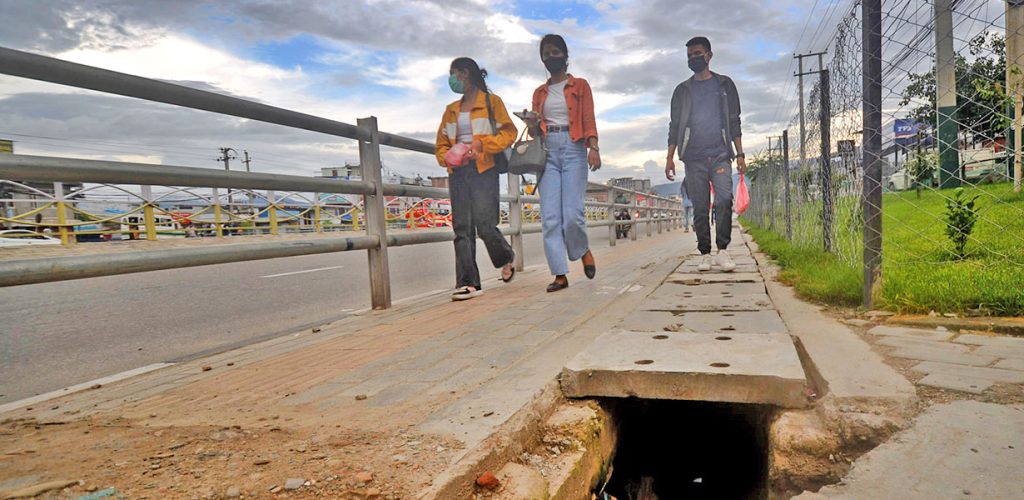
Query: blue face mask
[{"x": 455, "y": 84}]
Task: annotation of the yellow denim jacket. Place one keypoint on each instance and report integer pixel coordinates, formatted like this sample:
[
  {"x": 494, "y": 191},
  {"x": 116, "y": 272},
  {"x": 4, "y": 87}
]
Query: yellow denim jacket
[{"x": 447, "y": 133}]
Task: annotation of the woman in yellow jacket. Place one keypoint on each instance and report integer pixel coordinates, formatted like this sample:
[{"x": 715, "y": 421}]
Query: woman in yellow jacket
[{"x": 473, "y": 183}]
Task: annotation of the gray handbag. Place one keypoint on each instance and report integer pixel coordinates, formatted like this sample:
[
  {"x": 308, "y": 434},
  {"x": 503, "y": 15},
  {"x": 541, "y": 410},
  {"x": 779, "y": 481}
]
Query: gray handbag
[{"x": 529, "y": 156}]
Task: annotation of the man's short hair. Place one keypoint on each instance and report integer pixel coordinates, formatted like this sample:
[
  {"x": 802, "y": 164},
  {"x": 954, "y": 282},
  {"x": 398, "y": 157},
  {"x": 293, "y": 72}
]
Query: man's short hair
[{"x": 700, "y": 40}]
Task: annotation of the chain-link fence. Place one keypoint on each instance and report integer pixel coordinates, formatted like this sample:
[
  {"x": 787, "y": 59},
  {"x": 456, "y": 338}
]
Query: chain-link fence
[{"x": 952, "y": 215}]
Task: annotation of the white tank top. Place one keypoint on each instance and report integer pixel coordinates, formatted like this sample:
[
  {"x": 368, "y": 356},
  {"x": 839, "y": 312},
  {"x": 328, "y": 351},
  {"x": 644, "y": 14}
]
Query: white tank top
[
  {"x": 465, "y": 130},
  {"x": 556, "y": 111}
]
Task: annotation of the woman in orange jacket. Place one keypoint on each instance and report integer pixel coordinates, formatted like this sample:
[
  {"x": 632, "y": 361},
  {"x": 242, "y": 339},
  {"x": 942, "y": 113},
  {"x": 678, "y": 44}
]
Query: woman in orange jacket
[
  {"x": 472, "y": 176},
  {"x": 565, "y": 108}
]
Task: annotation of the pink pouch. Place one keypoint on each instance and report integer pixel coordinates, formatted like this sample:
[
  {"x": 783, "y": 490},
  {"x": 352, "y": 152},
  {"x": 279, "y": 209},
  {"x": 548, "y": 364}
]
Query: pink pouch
[{"x": 456, "y": 156}]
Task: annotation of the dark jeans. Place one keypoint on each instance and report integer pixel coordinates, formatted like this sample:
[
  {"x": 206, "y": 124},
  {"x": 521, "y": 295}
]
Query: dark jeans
[
  {"x": 475, "y": 212},
  {"x": 700, "y": 176}
]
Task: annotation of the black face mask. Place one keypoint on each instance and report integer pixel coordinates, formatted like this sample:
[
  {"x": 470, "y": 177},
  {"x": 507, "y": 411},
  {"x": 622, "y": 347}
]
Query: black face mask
[
  {"x": 555, "y": 64},
  {"x": 697, "y": 64}
]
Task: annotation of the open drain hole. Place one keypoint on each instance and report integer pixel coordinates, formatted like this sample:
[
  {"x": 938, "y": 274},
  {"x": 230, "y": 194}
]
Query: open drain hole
[
  {"x": 720, "y": 365},
  {"x": 643, "y": 361},
  {"x": 729, "y": 329},
  {"x": 660, "y": 337},
  {"x": 723, "y": 337},
  {"x": 728, "y": 315},
  {"x": 688, "y": 449}
]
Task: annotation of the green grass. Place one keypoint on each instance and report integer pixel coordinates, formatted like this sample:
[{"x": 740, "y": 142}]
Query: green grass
[
  {"x": 919, "y": 272},
  {"x": 812, "y": 272}
]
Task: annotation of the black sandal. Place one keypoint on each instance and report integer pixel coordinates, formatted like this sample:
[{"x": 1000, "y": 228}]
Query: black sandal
[
  {"x": 558, "y": 285},
  {"x": 513, "y": 268}
]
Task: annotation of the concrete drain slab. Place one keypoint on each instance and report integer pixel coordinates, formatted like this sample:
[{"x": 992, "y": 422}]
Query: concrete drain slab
[
  {"x": 661, "y": 300},
  {"x": 767, "y": 321},
  {"x": 697, "y": 278},
  {"x": 712, "y": 288},
  {"x": 740, "y": 268},
  {"x": 740, "y": 368}
]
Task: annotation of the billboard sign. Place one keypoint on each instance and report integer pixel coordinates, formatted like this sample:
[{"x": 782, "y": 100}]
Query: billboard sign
[{"x": 905, "y": 132}]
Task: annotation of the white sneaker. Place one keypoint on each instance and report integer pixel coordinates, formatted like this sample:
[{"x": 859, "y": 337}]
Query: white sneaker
[
  {"x": 724, "y": 261},
  {"x": 705, "y": 262},
  {"x": 464, "y": 293}
]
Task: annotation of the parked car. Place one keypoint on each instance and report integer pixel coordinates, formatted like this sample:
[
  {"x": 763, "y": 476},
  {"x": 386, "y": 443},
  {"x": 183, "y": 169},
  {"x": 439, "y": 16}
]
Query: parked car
[
  {"x": 19, "y": 237},
  {"x": 903, "y": 180}
]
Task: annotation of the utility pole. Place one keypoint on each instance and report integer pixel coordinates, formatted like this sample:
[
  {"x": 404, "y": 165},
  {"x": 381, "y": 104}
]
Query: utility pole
[
  {"x": 246, "y": 160},
  {"x": 825, "y": 177},
  {"x": 800, "y": 84},
  {"x": 945, "y": 96},
  {"x": 226, "y": 157},
  {"x": 1014, "y": 77},
  {"x": 871, "y": 27}
]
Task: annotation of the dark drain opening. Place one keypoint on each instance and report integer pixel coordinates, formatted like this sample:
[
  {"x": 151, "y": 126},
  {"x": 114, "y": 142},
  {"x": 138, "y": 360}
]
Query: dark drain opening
[{"x": 688, "y": 449}]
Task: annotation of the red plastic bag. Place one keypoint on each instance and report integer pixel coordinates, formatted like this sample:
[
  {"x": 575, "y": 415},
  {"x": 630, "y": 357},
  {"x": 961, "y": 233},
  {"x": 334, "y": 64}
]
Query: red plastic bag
[{"x": 742, "y": 197}]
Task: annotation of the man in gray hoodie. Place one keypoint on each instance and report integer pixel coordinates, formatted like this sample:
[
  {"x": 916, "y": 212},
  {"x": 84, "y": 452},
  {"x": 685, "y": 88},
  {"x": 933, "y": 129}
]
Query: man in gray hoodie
[{"x": 704, "y": 132}]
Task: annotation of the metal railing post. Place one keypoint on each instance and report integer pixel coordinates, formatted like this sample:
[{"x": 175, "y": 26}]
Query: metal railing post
[
  {"x": 147, "y": 212},
  {"x": 636, "y": 217},
  {"x": 217, "y": 224},
  {"x": 785, "y": 177},
  {"x": 661, "y": 210},
  {"x": 872, "y": 127},
  {"x": 649, "y": 213},
  {"x": 376, "y": 225},
  {"x": 62, "y": 216},
  {"x": 272, "y": 211},
  {"x": 515, "y": 219},
  {"x": 613, "y": 228},
  {"x": 317, "y": 225}
]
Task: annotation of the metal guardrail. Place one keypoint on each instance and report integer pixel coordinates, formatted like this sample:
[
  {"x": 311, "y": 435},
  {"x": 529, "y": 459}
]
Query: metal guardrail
[{"x": 375, "y": 241}]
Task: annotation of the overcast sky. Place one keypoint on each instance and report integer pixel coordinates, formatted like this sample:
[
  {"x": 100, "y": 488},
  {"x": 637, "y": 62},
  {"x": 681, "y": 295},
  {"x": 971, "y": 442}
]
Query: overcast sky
[{"x": 353, "y": 58}]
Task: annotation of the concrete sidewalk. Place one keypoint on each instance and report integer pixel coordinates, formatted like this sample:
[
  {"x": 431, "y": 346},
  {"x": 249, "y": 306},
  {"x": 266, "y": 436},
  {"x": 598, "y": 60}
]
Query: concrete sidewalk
[
  {"x": 419, "y": 400},
  {"x": 399, "y": 396}
]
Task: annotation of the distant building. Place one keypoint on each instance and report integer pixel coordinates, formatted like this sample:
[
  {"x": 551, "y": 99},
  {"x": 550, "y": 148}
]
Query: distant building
[
  {"x": 642, "y": 185},
  {"x": 347, "y": 172}
]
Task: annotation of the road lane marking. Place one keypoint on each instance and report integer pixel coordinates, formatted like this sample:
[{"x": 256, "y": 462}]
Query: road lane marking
[{"x": 302, "y": 272}]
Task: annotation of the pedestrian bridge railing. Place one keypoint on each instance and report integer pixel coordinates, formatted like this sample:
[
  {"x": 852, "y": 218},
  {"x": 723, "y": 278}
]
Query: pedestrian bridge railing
[{"x": 372, "y": 213}]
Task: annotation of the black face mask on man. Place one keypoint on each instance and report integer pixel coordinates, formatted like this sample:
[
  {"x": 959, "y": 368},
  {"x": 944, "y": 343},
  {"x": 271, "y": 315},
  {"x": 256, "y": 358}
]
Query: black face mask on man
[
  {"x": 555, "y": 64},
  {"x": 697, "y": 63}
]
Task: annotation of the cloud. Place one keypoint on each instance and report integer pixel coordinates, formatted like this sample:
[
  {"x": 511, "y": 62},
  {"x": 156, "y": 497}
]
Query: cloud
[{"x": 387, "y": 58}]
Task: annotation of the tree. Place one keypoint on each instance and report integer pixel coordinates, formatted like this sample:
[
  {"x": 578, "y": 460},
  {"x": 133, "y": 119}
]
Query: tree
[{"x": 981, "y": 100}]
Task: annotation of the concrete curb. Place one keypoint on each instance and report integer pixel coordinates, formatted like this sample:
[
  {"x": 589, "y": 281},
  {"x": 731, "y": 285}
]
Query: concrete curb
[
  {"x": 1009, "y": 326},
  {"x": 861, "y": 400}
]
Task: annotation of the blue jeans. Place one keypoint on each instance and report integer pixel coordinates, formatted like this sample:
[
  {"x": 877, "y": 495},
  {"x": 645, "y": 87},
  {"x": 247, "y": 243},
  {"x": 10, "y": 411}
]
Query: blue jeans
[
  {"x": 687, "y": 216},
  {"x": 562, "y": 189},
  {"x": 700, "y": 176}
]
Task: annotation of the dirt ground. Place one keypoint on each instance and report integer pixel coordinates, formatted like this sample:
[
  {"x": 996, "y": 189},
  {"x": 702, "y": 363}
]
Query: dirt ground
[{"x": 144, "y": 459}]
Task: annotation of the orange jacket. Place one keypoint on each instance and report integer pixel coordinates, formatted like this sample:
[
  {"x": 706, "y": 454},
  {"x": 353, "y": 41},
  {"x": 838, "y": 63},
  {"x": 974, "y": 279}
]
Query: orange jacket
[
  {"x": 580, "y": 101},
  {"x": 447, "y": 132}
]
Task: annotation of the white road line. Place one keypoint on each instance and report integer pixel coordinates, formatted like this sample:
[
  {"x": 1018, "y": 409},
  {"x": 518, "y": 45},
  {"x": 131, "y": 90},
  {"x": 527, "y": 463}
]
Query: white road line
[
  {"x": 301, "y": 272},
  {"x": 81, "y": 387}
]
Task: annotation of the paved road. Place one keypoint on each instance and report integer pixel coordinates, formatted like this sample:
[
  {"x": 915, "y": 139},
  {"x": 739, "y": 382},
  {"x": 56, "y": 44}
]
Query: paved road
[{"x": 58, "y": 334}]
